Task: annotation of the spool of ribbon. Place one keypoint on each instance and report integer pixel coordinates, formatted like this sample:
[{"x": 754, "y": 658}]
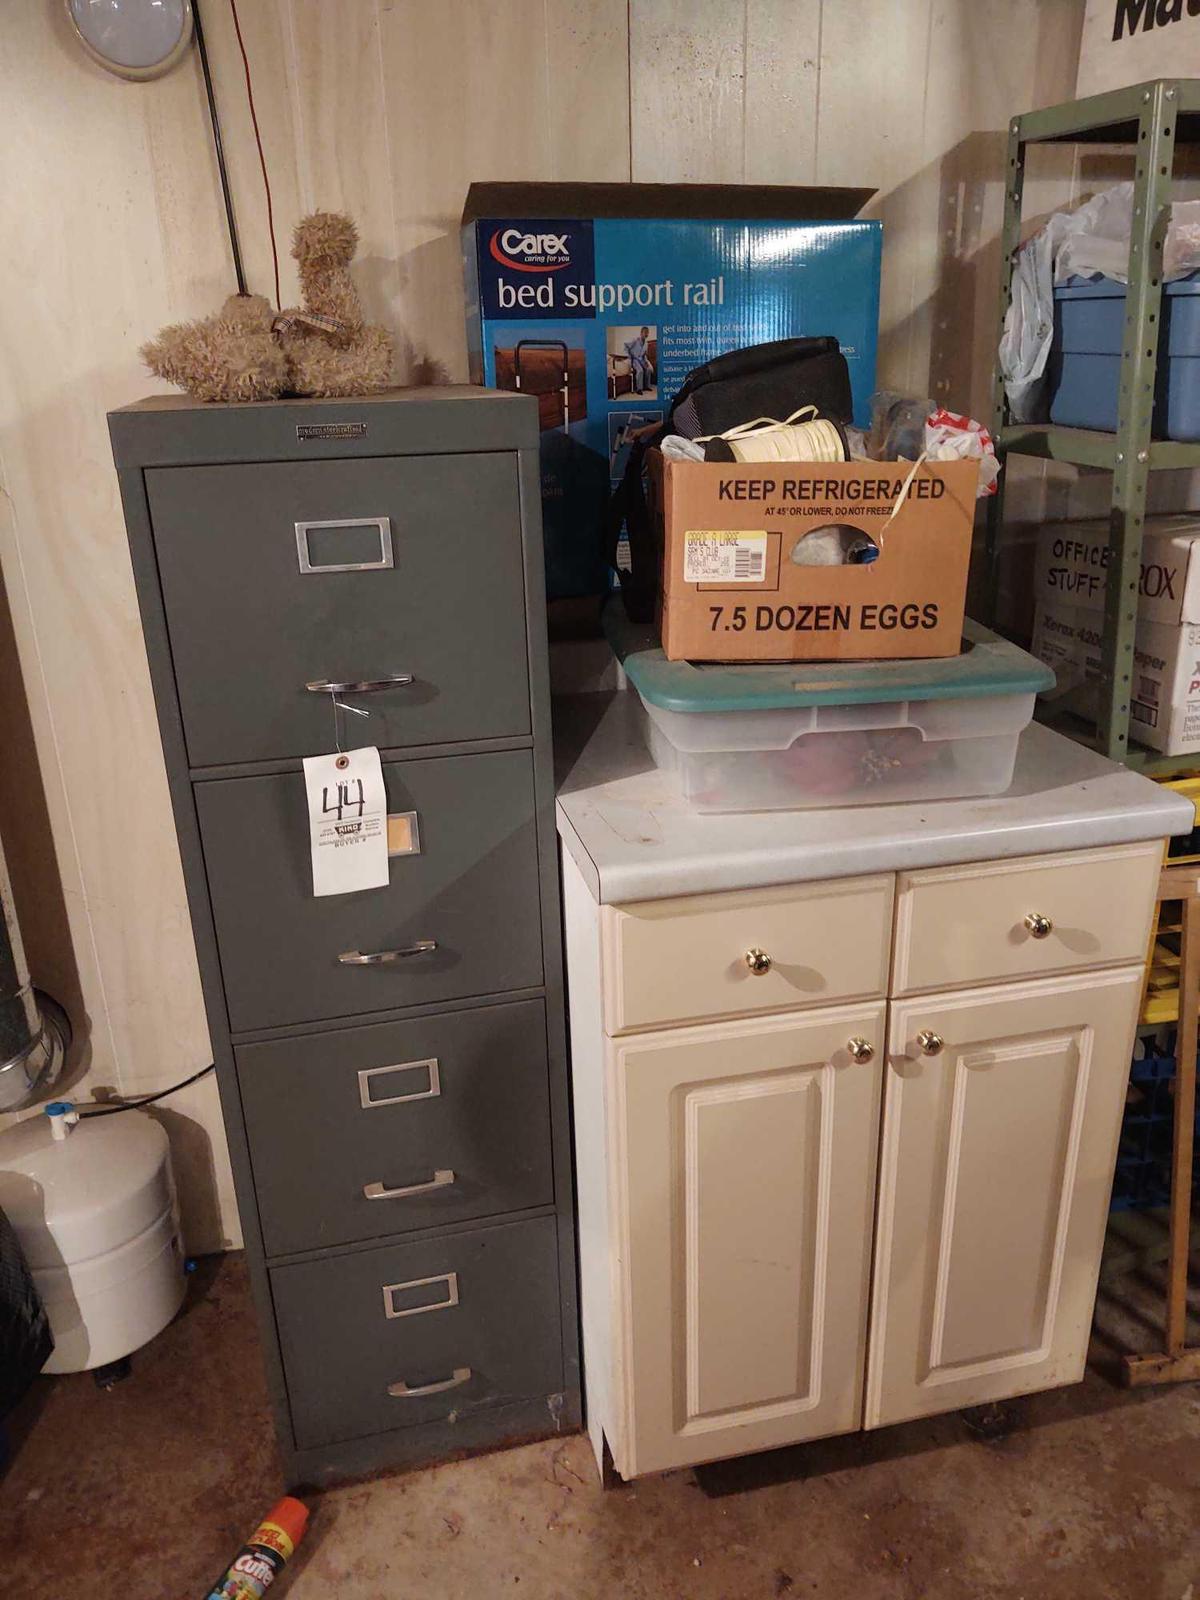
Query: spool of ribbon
[{"x": 765, "y": 439}]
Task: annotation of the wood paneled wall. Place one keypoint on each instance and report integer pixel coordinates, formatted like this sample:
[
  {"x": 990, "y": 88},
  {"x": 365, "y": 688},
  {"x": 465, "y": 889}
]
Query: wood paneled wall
[{"x": 387, "y": 108}]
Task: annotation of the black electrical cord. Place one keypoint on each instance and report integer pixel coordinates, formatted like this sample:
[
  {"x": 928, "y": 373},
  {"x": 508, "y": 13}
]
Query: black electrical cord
[
  {"x": 219, "y": 148},
  {"x": 99, "y": 1109}
]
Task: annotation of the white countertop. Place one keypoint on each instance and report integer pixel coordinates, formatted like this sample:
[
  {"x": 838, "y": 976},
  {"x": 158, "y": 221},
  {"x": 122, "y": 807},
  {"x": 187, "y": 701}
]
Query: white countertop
[{"x": 633, "y": 838}]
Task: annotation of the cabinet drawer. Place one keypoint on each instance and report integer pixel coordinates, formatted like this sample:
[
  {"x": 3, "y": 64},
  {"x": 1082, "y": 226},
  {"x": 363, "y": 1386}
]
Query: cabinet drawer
[
  {"x": 250, "y": 627},
  {"x": 450, "y": 1114},
  {"x": 473, "y": 889},
  {"x": 686, "y": 960},
  {"x": 983, "y": 922},
  {"x": 405, "y": 1334}
]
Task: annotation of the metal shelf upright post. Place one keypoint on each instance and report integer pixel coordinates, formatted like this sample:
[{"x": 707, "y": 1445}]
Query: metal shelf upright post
[{"x": 1153, "y": 118}]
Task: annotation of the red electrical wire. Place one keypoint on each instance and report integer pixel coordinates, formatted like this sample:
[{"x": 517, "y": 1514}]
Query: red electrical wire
[{"x": 262, "y": 160}]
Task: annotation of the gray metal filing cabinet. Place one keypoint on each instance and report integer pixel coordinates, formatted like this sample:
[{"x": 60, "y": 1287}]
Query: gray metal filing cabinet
[{"x": 399, "y": 1128}]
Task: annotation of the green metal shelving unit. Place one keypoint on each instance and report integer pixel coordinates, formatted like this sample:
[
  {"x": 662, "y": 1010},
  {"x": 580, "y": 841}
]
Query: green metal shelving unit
[{"x": 1153, "y": 118}]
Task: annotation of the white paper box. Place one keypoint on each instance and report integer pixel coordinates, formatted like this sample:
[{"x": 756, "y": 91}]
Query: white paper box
[{"x": 1069, "y": 624}]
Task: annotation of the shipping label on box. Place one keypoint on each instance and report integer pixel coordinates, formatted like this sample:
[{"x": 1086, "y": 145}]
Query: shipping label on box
[
  {"x": 794, "y": 561},
  {"x": 601, "y": 316}
]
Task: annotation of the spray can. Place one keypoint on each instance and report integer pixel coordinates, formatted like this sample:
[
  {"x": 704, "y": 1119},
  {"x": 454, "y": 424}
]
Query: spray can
[{"x": 261, "y": 1559}]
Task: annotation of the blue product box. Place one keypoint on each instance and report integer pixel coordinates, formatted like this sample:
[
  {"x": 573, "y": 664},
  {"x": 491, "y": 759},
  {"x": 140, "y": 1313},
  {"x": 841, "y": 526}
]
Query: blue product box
[
  {"x": 1085, "y": 358},
  {"x": 600, "y": 298}
]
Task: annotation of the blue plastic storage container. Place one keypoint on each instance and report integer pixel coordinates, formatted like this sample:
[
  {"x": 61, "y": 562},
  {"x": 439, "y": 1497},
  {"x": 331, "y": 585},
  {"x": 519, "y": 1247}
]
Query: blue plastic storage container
[{"x": 1085, "y": 358}]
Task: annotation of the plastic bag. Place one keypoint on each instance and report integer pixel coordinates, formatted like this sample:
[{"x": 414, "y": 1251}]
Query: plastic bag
[
  {"x": 1098, "y": 244},
  {"x": 1091, "y": 241},
  {"x": 950, "y": 436},
  {"x": 897, "y": 425}
]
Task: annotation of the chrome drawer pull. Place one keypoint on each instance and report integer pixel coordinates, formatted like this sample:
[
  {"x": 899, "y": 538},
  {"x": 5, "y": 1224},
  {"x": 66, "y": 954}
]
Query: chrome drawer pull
[
  {"x": 377, "y": 958},
  {"x": 758, "y": 961},
  {"x": 860, "y": 1050},
  {"x": 930, "y": 1043},
  {"x": 360, "y": 686},
  {"x": 442, "y": 1179},
  {"x": 402, "y": 1391},
  {"x": 1039, "y": 926}
]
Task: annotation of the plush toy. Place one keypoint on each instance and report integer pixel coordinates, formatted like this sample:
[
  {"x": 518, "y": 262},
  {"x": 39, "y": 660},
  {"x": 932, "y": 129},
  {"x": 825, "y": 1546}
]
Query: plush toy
[
  {"x": 232, "y": 355},
  {"x": 330, "y": 350},
  {"x": 246, "y": 352}
]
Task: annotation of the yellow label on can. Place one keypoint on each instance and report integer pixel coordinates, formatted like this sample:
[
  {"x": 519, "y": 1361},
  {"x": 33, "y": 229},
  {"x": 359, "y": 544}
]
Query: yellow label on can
[{"x": 275, "y": 1538}]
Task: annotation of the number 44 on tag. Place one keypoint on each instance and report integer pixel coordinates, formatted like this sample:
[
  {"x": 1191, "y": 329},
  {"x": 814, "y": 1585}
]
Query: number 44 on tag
[{"x": 347, "y": 819}]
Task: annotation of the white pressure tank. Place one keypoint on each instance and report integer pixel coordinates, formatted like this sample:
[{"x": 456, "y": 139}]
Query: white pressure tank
[{"x": 92, "y": 1201}]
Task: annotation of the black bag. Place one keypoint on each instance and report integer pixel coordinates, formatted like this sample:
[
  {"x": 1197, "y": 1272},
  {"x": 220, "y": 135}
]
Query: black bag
[
  {"x": 765, "y": 380},
  {"x": 25, "y": 1337}
]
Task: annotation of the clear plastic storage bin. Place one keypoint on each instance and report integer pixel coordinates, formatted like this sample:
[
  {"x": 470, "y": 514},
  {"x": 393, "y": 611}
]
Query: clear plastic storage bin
[{"x": 780, "y": 737}]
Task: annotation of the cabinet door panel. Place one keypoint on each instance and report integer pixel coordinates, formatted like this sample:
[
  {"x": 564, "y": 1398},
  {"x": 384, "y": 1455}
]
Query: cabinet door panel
[
  {"x": 995, "y": 1170},
  {"x": 748, "y": 1173}
]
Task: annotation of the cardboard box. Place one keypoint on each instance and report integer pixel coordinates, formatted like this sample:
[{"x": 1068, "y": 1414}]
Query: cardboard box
[
  {"x": 600, "y": 298},
  {"x": 732, "y": 590},
  {"x": 1068, "y": 626}
]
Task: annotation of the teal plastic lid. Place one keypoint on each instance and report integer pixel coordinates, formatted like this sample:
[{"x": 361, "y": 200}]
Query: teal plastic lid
[{"x": 986, "y": 665}]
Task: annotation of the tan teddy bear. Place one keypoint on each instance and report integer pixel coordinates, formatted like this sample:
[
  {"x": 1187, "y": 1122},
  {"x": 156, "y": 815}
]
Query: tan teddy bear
[
  {"x": 232, "y": 355},
  {"x": 330, "y": 350},
  {"x": 246, "y": 352}
]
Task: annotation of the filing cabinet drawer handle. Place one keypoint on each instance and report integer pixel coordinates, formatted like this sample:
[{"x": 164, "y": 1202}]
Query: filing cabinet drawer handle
[
  {"x": 377, "y": 958},
  {"x": 359, "y": 686},
  {"x": 402, "y": 1391},
  {"x": 442, "y": 1179}
]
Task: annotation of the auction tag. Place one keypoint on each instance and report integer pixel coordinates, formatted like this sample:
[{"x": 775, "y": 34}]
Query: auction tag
[
  {"x": 347, "y": 819},
  {"x": 713, "y": 556}
]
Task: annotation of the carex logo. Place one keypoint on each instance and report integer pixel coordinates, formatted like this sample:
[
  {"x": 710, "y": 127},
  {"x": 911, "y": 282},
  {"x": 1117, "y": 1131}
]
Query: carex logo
[{"x": 530, "y": 252}]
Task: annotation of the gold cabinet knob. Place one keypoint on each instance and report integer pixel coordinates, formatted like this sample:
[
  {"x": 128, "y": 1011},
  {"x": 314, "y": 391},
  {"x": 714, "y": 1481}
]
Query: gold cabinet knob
[
  {"x": 1039, "y": 926},
  {"x": 860, "y": 1050},
  {"x": 758, "y": 961},
  {"x": 930, "y": 1043}
]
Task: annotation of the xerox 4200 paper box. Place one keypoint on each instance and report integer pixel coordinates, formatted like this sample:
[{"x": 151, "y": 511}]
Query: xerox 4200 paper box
[
  {"x": 1068, "y": 627},
  {"x": 599, "y": 299}
]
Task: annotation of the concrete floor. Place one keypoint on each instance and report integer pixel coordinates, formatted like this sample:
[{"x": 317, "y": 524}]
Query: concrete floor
[{"x": 143, "y": 1493}]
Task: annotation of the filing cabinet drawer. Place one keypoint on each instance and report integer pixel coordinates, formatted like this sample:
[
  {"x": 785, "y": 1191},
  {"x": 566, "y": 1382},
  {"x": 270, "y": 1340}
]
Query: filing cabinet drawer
[
  {"x": 250, "y": 627},
  {"x": 694, "y": 958},
  {"x": 472, "y": 889},
  {"x": 1031, "y": 917},
  {"x": 379, "y": 1130},
  {"x": 405, "y": 1334}
]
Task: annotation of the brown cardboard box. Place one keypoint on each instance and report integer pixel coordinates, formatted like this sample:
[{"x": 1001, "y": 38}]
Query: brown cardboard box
[{"x": 731, "y": 592}]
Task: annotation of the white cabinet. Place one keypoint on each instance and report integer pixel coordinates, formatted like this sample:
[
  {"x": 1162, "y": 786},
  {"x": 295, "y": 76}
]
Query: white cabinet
[
  {"x": 750, "y": 1151},
  {"x": 743, "y": 1192},
  {"x": 995, "y": 1170}
]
